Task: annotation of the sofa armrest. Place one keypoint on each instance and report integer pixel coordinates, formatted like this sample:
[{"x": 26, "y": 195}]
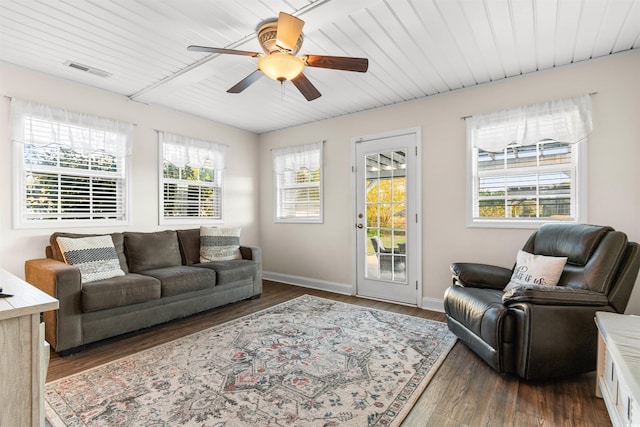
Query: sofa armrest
[
  {"x": 554, "y": 295},
  {"x": 475, "y": 275},
  {"x": 254, "y": 253},
  {"x": 63, "y": 327}
]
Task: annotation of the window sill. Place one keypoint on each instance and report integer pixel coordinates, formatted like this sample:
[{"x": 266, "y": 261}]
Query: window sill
[
  {"x": 299, "y": 221},
  {"x": 56, "y": 224},
  {"x": 190, "y": 221},
  {"x": 524, "y": 224}
]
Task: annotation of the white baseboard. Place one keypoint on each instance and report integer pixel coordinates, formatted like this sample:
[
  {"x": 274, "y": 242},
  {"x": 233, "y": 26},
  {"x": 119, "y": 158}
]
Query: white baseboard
[
  {"x": 323, "y": 285},
  {"x": 433, "y": 304}
]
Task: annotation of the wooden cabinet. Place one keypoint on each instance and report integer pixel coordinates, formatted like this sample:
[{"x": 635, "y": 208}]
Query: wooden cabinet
[
  {"x": 618, "y": 376},
  {"x": 23, "y": 352}
]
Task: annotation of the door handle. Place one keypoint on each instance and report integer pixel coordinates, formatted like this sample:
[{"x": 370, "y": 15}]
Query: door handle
[{"x": 359, "y": 226}]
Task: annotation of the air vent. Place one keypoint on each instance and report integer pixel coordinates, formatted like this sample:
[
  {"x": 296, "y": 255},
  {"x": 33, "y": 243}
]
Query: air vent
[{"x": 87, "y": 69}]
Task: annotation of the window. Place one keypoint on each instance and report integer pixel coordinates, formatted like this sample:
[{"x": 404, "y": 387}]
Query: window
[
  {"x": 527, "y": 164},
  {"x": 191, "y": 180},
  {"x": 298, "y": 183},
  {"x": 71, "y": 168}
]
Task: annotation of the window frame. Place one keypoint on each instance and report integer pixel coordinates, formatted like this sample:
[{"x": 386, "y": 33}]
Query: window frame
[
  {"x": 578, "y": 194},
  {"x": 188, "y": 220},
  {"x": 277, "y": 185},
  {"x": 23, "y": 169}
]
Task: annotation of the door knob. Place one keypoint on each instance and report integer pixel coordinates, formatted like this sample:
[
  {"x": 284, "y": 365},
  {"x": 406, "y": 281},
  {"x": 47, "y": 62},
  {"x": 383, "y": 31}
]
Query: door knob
[{"x": 359, "y": 225}]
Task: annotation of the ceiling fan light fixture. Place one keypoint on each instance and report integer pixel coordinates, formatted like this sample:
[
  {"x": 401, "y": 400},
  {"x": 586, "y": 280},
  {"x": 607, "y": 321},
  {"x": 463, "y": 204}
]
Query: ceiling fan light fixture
[
  {"x": 281, "y": 66},
  {"x": 281, "y": 40}
]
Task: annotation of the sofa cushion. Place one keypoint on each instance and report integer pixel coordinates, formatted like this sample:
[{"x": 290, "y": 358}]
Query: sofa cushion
[
  {"x": 148, "y": 251},
  {"x": 182, "y": 279},
  {"x": 94, "y": 256},
  {"x": 189, "y": 245},
  {"x": 231, "y": 271},
  {"x": 120, "y": 291},
  {"x": 219, "y": 244},
  {"x": 118, "y": 243}
]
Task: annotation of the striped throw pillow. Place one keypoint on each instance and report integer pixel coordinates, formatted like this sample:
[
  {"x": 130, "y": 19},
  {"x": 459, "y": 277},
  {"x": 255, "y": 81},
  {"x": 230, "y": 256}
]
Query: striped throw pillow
[
  {"x": 95, "y": 256},
  {"x": 219, "y": 244}
]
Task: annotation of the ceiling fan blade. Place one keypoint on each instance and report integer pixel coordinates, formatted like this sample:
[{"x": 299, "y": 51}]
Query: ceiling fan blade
[
  {"x": 207, "y": 49},
  {"x": 289, "y": 30},
  {"x": 305, "y": 87},
  {"x": 246, "y": 82},
  {"x": 344, "y": 63}
]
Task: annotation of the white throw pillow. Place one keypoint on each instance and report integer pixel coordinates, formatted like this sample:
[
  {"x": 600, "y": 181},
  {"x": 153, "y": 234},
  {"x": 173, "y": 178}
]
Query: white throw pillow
[
  {"x": 95, "y": 256},
  {"x": 219, "y": 244},
  {"x": 536, "y": 270}
]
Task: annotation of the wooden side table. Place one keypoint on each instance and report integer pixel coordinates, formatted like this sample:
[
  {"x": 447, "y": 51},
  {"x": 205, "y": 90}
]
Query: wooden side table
[
  {"x": 618, "y": 374},
  {"x": 24, "y": 353}
]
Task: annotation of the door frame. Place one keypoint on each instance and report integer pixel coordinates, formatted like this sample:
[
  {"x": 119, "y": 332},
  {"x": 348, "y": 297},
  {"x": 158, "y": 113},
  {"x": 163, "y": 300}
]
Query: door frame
[{"x": 416, "y": 195}]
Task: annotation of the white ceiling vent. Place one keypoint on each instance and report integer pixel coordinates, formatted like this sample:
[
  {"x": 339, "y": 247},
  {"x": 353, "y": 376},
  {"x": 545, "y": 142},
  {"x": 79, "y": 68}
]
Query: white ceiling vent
[{"x": 87, "y": 69}]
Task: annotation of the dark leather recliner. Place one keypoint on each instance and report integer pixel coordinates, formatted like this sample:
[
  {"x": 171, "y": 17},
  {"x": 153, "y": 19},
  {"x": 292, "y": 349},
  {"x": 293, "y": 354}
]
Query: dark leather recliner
[{"x": 539, "y": 332}]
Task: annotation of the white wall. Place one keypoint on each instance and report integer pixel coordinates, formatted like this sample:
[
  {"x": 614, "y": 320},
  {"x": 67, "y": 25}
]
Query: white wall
[
  {"x": 240, "y": 179},
  {"x": 323, "y": 252}
]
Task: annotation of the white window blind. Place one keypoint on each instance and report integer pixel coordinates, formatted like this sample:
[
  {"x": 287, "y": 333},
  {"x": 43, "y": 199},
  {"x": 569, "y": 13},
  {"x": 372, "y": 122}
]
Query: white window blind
[
  {"x": 71, "y": 167},
  {"x": 298, "y": 181},
  {"x": 191, "y": 179},
  {"x": 526, "y": 164}
]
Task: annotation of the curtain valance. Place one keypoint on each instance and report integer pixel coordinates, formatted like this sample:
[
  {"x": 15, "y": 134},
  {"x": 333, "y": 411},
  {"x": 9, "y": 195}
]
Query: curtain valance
[
  {"x": 564, "y": 120},
  {"x": 181, "y": 151},
  {"x": 307, "y": 156},
  {"x": 39, "y": 124}
]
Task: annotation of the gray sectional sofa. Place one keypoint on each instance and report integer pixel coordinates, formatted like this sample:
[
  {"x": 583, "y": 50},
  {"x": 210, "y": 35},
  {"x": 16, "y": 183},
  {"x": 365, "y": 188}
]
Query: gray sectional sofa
[{"x": 164, "y": 280}]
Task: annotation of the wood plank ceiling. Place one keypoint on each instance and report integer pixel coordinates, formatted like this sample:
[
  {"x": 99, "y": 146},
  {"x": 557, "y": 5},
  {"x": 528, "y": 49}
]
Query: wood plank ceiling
[{"x": 416, "y": 48}]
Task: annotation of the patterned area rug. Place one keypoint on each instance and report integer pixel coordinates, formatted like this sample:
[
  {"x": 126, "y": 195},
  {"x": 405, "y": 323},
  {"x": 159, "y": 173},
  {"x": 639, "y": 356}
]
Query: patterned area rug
[{"x": 306, "y": 362}]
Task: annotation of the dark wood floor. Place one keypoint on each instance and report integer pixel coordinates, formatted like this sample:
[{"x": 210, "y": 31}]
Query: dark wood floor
[{"x": 464, "y": 391}]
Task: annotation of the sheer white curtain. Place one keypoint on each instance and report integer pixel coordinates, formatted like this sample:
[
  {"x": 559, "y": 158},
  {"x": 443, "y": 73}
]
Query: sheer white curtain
[
  {"x": 308, "y": 156},
  {"x": 181, "y": 150},
  {"x": 39, "y": 124},
  {"x": 565, "y": 120}
]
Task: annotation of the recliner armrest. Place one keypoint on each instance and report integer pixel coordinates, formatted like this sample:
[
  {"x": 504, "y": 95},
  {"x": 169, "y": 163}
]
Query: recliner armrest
[
  {"x": 476, "y": 275},
  {"x": 553, "y": 295}
]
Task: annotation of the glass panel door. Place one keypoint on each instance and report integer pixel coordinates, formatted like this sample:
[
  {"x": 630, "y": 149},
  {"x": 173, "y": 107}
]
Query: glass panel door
[
  {"x": 386, "y": 207},
  {"x": 385, "y": 179}
]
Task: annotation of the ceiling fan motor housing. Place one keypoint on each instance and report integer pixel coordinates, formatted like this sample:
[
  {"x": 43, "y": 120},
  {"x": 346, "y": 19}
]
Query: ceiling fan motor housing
[{"x": 267, "y": 38}]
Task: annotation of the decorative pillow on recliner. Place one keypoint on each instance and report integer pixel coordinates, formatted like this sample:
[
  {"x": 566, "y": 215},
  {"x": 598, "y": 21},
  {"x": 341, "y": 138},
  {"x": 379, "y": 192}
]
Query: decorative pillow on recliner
[
  {"x": 219, "y": 244},
  {"x": 536, "y": 270},
  {"x": 95, "y": 256}
]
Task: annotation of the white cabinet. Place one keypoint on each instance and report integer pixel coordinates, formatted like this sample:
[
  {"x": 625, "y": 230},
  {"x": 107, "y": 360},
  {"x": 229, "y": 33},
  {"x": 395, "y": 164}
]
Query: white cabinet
[
  {"x": 24, "y": 353},
  {"x": 618, "y": 380}
]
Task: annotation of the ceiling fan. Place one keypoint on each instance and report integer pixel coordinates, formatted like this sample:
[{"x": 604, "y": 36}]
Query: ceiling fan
[{"x": 281, "y": 40}]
